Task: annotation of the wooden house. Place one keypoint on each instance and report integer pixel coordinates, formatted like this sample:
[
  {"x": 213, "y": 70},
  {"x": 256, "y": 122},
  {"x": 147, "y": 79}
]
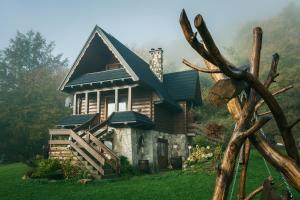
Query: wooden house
[{"x": 125, "y": 106}]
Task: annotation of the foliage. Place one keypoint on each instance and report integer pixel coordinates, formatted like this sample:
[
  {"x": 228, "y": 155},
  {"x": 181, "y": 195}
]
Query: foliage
[
  {"x": 202, "y": 154},
  {"x": 209, "y": 114},
  {"x": 126, "y": 167},
  {"x": 70, "y": 170},
  {"x": 29, "y": 100},
  {"x": 53, "y": 169},
  {"x": 201, "y": 141},
  {"x": 46, "y": 168}
]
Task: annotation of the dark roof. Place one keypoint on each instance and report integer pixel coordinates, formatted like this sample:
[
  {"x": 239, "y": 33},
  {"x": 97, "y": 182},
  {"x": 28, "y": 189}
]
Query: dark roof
[
  {"x": 184, "y": 85},
  {"x": 142, "y": 70},
  {"x": 97, "y": 77},
  {"x": 75, "y": 120},
  {"x": 130, "y": 118},
  {"x": 116, "y": 119}
]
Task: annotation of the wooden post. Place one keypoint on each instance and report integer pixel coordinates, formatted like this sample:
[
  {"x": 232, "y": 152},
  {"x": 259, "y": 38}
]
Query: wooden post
[
  {"x": 86, "y": 102},
  {"x": 129, "y": 98},
  {"x": 116, "y": 100},
  {"x": 75, "y": 104},
  {"x": 98, "y": 101}
]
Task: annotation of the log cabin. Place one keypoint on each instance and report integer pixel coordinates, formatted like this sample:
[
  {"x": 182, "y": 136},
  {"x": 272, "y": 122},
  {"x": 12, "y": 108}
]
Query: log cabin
[{"x": 124, "y": 106}]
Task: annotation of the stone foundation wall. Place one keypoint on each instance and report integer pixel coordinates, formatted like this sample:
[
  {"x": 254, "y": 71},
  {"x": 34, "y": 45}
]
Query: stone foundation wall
[{"x": 126, "y": 143}]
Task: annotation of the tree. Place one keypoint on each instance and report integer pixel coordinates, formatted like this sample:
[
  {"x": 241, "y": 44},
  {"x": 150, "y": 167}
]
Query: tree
[
  {"x": 244, "y": 109},
  {"x": 29, "y": 100}
]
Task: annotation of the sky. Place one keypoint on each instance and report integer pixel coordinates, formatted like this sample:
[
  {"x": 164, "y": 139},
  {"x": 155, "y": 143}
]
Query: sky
[{"x": 137, "y": 23}]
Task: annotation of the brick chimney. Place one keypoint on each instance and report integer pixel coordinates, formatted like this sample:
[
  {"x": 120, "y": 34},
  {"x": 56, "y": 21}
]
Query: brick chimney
[{"x": 156, "y": 62}]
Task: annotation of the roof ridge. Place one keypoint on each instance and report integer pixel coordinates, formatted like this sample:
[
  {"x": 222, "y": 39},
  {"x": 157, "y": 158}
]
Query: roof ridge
[
  {"x": 189, "y": 70},
  {"x": 119, "y": 69}
]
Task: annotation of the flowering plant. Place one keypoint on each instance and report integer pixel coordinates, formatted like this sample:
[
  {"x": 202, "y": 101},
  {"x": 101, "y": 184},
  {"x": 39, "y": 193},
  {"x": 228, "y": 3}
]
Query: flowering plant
[{"x": 203, "y": 154}]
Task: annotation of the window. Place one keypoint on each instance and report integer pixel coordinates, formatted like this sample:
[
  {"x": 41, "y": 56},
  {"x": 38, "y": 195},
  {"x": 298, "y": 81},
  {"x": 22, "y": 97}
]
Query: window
[
  {"x": 113, "y": 66},
  {"x": 111, "y": 104}
]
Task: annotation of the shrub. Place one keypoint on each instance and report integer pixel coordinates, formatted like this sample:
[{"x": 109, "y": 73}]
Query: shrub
[
  {"x": 202, "y": 155},
  {"x": 56, "y": 169},
  {"x": 48, "y": 168},
  {"x": 126, "y": 167},
  {"x": 69, "y": 170},
  {"x": 201, "y": 141}
]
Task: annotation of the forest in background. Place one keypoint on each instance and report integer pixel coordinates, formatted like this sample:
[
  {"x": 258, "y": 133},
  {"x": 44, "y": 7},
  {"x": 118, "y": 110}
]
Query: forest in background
[
  {"x": 281, "y": 34},
  {"x": 30, "y": 75}
]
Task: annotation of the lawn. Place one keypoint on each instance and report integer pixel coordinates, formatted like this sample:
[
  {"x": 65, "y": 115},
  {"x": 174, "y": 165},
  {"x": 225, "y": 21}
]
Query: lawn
[{"x": 168, "y": 185}]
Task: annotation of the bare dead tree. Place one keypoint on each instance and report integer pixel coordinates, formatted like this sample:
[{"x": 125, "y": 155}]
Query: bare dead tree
[{"x": 244, "y": 113}]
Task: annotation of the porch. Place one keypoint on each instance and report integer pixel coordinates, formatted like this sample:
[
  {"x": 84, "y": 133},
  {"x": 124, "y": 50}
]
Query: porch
[{"x": 103, "y": 101}]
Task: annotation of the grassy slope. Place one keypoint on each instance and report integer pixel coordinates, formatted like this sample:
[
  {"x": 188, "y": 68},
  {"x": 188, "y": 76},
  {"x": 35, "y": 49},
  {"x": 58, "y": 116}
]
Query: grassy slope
[{"x": 169, "y": 185}]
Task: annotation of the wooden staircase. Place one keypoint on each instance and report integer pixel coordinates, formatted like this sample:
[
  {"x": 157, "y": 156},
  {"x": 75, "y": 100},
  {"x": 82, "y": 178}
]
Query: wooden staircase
[{"x": 84, "y": 147}]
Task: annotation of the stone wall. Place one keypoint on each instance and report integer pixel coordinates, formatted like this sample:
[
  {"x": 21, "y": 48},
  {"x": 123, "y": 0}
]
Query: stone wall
[
  {"x": 156, "y": 62},
  {"x": 126, "y": 143}
]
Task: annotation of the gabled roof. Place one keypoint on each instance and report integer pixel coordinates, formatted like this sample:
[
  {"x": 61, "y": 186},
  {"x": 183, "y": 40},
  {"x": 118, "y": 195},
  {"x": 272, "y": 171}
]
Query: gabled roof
[
  {"x": 184, "y": 85},
  {"x": 135, "y": 66},
  {"x": 97, "y": 77}
]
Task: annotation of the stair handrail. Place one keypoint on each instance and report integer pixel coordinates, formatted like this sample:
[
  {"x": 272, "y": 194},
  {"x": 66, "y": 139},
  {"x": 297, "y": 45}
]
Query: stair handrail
[
  {"x": 102, "y": 124},
  {"x": 88, "y": 148},
  {"x": 106, "y": 150},
  {"x": 86, "y": 124}
]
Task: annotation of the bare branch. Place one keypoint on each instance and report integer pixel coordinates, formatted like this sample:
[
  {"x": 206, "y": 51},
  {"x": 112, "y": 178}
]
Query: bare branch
[
  {"x": 294, "y": 123},
  {"x": 190, "y": 36},
  {"x": 226, "y": 67},
  {"x": 282, "y": 90},
  {"x": 261, "y": 102},
  {"x": 256, "y": 48},
  {"x": 254, "y": 193},
  {"x": 246, "y": 155},
  {"x": 264, "y": 113},
  {"x": 273, "y": 71},
  {"x": 277, "y": 159},
  {"x": 200, "y": 69},
  {"x": 254, "y": 83},
  {"x": 257, "y": 125}
]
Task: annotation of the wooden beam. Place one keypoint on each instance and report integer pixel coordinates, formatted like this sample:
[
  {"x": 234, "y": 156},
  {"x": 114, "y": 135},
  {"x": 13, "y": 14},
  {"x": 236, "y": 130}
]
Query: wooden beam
[
  {"x": 75, "y": 104},
  {"x": 116, "y": 100},
  {"x": 129, "y": 99},
  {"x": 98, "y": 101},
  {"x": 86, "y": 102},
  {"x": 59, "y": 131},
  {"x": 65, "y": 142},
  {"x": 107, "y": 89}
]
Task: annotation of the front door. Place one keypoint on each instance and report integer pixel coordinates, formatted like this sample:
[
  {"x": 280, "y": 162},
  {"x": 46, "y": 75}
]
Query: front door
[{"x": 162, "y": 153}]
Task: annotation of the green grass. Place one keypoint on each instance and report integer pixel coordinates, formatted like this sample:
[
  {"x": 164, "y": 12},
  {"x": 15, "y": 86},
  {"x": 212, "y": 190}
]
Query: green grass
[{"x": 168, "y": 185}]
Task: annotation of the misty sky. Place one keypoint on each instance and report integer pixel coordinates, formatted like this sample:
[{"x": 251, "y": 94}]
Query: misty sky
[{"x": 138, "y": 23}]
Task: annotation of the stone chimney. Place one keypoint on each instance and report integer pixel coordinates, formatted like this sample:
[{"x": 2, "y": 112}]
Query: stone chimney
[{"x": 156, "y": 62}]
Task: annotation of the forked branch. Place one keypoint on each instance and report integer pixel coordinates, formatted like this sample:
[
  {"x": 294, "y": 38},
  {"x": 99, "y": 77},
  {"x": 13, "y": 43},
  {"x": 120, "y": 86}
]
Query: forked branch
[
  {"x": 261, "y": 102},
  {"x": 200, "y": 69},
  {"x": 254, "y": 193},
  {"x": 273, "y": 71},
  {"x": 257, "y": 125}
]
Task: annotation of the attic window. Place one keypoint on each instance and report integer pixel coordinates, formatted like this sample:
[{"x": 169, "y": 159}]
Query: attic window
[{"x": 113, "y": 66}]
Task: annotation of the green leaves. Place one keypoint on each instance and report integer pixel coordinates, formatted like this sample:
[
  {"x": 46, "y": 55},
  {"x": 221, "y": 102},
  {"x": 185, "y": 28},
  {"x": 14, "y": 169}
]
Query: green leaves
[{"x": 29, "y": 102}]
